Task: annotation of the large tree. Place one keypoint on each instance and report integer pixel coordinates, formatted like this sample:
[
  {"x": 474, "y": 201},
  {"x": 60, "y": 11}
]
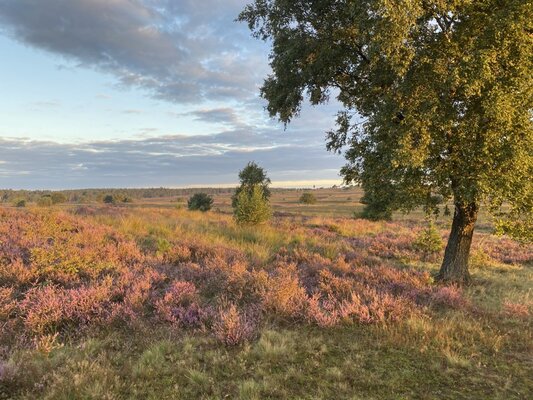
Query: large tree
[{"x": 436, "y": 100}]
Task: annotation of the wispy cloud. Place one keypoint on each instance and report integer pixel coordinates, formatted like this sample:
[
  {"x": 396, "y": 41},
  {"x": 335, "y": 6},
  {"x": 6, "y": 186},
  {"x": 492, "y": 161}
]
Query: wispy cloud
[
  {"x": 166, "y": 161},
  {"x": 226, "y": 115}
]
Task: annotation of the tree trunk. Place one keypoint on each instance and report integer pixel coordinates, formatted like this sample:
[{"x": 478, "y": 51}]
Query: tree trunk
[{"x": 455, "y": 265}]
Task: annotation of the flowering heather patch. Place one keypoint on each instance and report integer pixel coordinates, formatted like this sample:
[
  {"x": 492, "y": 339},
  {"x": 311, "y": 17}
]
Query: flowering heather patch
[
  {"x": 66, "y": 274},
  {"x": 503, "y": 249},
  {"x": 233, "y": 327},
  {"x": 7, "y": 303},
  {"x": 60, "y": 248},
  {"x": 180, "y": 306},
  {"x": 398, "y": 243},
  {"x": 284, "y": 296}
]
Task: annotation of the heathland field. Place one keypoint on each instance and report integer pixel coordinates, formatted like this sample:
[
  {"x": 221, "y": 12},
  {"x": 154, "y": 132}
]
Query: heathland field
[{"x": 147, "y": 300}]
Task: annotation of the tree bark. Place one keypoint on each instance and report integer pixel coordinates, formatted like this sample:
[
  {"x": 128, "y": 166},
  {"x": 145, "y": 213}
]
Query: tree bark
[{"x": 455, "y": 264}]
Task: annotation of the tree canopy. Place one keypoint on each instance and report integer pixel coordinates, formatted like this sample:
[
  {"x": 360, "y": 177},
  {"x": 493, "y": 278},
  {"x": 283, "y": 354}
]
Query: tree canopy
[
  {"x": 436, "y": 101},
  {"x": 250, "y": 176}
]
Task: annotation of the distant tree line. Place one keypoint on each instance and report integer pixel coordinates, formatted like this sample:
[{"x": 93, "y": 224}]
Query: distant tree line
[{"x": 77, "y": 196}]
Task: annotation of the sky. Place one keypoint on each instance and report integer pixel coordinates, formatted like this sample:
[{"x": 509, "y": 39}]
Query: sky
[{"x": 144, "y": 93}]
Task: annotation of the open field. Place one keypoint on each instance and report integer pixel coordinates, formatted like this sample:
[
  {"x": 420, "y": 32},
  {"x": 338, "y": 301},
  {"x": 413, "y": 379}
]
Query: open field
[
  {"x": 331, "y": 202},
  {"x": 148, "y": 300}
]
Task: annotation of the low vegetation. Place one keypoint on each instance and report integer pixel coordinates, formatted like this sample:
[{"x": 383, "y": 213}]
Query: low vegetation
[
  {"x": 19, "y": 203},
  {"x": 100, "y": 302},
  {"x": 251, "y": 207},
  {"x": 200, "y": 202},
  {"x": 308, "y": 198}
]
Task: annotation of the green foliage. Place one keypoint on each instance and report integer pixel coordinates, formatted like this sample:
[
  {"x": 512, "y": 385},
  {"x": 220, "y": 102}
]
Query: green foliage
[
  {"x": 251, "y": 208},
  {"x": 429, "y": 240},
  {"x": 419, "y": 116},
  {"x": 437, "y": 99},
  {"x": 200, "y": 201},
  {"x": 19, "y": 203},
  {"x": 251, "y": 176},
  {"x": 157, "y": 245},
  {"x": 109, "y": 199},
  {"x": 377, "y": 207},
  {"x": 308, "y": 198}
]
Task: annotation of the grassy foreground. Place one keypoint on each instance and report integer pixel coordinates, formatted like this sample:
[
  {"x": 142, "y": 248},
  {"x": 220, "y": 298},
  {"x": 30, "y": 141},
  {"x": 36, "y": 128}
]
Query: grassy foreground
[{"x": 156, "y": 302}]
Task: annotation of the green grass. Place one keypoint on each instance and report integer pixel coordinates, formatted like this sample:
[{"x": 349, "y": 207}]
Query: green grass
[{"x": 453, "y": 357}]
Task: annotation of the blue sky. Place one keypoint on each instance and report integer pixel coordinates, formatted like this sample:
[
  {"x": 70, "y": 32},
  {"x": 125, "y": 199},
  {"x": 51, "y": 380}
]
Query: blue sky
[{"x": 136, "y": 93}]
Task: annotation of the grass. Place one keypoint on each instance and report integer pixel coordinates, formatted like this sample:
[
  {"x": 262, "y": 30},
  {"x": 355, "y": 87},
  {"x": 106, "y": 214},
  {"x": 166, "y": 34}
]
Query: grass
[
  {"x": 118, "y": 265},
  {"x": 416, "y": 359}
]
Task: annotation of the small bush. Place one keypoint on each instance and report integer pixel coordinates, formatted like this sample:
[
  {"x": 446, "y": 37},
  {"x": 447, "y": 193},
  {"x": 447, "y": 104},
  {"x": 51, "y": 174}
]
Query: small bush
[
  {"x": 308, "y": 198},
  {"x": 19, "y": 203},
  {"x": 151, "y": 244},
  {"x": 377, "y": 206},
  {"x": 201, "y": 202},
  {"x": 109, "y": 199},
  {"x": 232, "y": 327},
  {"x": 429, "y": 241},
  {"x": 179, "y": 306},
  {"x": 8, "y": 372},
  {"x": 251, "y": 207}
]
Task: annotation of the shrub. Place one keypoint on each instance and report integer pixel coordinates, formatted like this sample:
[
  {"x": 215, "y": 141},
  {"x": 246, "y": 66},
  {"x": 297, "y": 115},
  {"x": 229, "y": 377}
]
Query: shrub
[
  {"x": 8, "y": 372},
  {"x": 200, "y": 201},
  {"x": 308, "y": 198},
  {"x": 7, "y": 303},
  {"x": 376, "y": 207},
  {"x": 19, "y": 203},
  {"x": 251, "y": 207},
  {"x": 43, "y": 309},
  {"x": 109, "y": 199},
  {"x": 429, "y": 241},
  {"x": 179, "y": 306},
  {"x": 152, "y": 244},
  {"x": 449, "y": 297},
  {"x": 232, "y": 327},
  {"x": 285, "y": 296}
]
